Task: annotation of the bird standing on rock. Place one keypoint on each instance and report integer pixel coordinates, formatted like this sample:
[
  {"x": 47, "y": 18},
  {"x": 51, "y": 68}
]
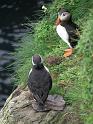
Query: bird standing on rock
[
  {"x": 67, "y": 30},
  {"x": 39, "y": 82}
]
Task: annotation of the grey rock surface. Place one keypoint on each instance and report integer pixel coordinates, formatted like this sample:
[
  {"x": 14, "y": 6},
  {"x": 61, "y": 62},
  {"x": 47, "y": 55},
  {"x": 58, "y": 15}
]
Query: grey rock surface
[
  {"x": 18, "y": 109},
  {"x": 54, "y": 102}
]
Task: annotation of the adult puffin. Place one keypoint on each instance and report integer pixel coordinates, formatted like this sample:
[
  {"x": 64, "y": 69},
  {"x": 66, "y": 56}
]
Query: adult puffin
[
  {"x": 67, "y": 30},
  {"x": 39, "y": 82}
]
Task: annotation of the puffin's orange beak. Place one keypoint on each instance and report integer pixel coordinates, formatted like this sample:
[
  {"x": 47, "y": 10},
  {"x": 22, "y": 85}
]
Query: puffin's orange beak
[{"x": 58, "y": 21}]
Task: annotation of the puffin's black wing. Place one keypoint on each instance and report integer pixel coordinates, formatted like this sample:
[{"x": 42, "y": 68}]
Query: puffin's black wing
[
  {"x": 50, "y": 82},
  {"x": 47, "y": 88},
  {"x": 72, "y": 30}
]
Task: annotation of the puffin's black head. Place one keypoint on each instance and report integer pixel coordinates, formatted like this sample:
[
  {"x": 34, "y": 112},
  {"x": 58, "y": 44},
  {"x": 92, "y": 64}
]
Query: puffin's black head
[
  {"x": 37, "y": 61},
  {"x": 64, "y": 14}
]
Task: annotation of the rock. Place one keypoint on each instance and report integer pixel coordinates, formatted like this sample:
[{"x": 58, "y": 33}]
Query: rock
[
  {"x": 18, "y": 110},
  {"x": 38, "y": 109},
  {"x": 54, "y": 102}
]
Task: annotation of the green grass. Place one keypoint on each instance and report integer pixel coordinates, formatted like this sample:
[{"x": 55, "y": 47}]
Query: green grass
[{"x": 75, "y": 72}]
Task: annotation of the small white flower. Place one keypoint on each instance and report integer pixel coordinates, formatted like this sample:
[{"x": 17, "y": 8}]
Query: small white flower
[{"x": 44, "y": 8}]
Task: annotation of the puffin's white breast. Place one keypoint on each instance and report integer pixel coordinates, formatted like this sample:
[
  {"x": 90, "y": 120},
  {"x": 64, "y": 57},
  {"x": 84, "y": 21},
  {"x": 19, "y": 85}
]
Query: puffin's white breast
[
  {"x": 46, "y": 69},
  {"x": 63, "y": 34},
  {"x": 30, "y": 71}
]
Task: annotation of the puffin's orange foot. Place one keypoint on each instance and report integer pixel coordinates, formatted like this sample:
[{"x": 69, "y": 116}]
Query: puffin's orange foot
[{"x": 68, "y": 52}]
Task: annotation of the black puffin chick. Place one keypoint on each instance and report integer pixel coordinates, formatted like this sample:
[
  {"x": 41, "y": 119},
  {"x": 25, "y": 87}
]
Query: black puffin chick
[
  {"x": 39, "y": 81},
  {"x": 67, "y": 30}
]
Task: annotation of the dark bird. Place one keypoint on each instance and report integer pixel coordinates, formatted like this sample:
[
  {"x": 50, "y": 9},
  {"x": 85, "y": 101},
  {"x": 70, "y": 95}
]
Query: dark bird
[
  {"x": 39, "y": 82},
  {"x": 67, "y": 30}
]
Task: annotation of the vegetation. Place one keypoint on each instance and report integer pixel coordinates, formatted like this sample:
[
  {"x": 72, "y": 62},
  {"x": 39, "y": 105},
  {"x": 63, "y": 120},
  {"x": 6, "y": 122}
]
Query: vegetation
[{"x": 73, "y": 77}]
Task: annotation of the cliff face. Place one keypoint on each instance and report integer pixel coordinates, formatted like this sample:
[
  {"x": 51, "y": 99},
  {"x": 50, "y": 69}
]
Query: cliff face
[{"x": 18, "y": 110}]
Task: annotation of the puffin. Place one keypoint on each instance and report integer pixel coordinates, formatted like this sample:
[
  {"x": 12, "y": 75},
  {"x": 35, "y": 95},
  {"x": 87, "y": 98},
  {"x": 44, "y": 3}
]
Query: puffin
[
  {"x": 67, "y": 30},
  {"x": 39, "y": 82}
]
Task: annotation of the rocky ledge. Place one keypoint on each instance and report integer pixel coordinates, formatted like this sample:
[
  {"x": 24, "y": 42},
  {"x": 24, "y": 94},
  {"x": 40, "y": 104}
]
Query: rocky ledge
[{"x": 18, "y": 109}]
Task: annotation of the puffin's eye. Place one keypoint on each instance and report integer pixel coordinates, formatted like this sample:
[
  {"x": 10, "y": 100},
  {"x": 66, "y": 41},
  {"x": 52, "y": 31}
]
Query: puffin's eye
[{"x": 63, "y": 14}]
